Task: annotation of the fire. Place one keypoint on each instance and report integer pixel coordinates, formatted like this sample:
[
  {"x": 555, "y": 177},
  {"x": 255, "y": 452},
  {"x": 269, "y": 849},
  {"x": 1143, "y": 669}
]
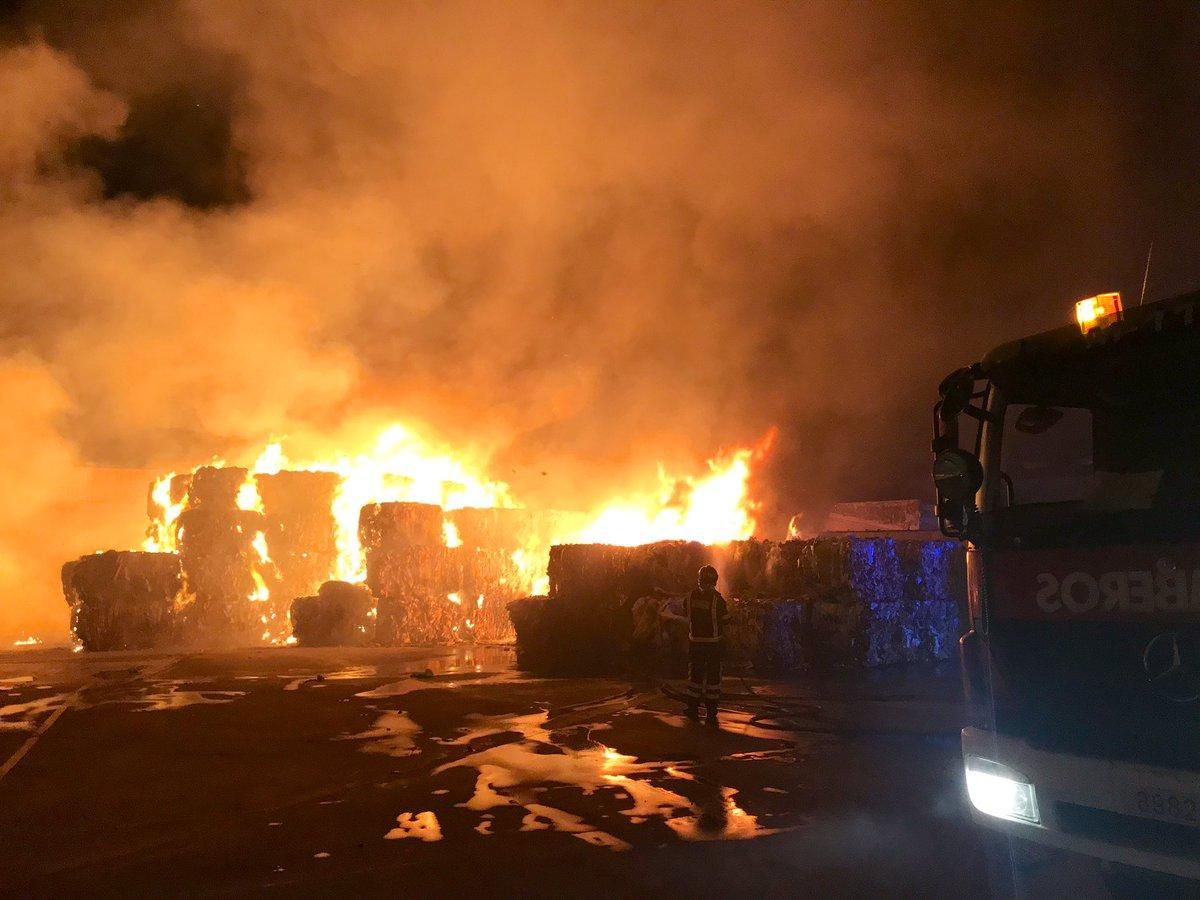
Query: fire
[
  {"x": 401, "y": 465},
  {"x": 713, "y": 509},
  {"x": 161, "y": 537},
  {"x": 30, "y": 641}
]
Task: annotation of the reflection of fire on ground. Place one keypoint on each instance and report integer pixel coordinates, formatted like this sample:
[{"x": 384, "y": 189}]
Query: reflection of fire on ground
[{"x": 512, "y": 774}]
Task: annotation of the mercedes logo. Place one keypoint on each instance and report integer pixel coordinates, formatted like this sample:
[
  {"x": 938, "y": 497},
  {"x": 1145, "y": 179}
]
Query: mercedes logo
[{"x": 1172, "y": 663}]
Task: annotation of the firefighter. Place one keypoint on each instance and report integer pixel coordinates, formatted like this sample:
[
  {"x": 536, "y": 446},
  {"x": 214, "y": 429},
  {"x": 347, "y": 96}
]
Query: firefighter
[{"x": 706, "y": 618}]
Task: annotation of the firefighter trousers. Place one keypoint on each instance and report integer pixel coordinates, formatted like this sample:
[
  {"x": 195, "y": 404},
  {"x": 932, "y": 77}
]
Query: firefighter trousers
[{"x": 704, "y": 673}]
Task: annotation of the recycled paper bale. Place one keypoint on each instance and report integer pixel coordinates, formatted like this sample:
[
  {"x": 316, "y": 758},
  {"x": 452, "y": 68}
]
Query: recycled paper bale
[
  {"x": 489, "y": 580},
  {"x": 566, "y": 638},
  {"x": 122, "y": 600},
  {"x": 224, "y": 604},
  {"x": 338, "y": 615},
  {"x": 603, "y": 572},
  {"x": 769, "y": 635},
  {"x": 880, "y": 634},
  {"x": 493, "y": 528},
  {"x": 392, "y": 525},
  {"x": 216, "y": 487},
  {"x": 414, "y": 586},
  {"x": 300, "y": 532}
]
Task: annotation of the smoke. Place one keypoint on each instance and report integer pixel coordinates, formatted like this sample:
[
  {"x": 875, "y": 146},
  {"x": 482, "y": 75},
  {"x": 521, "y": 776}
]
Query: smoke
[{"x": 578, "y": 238}]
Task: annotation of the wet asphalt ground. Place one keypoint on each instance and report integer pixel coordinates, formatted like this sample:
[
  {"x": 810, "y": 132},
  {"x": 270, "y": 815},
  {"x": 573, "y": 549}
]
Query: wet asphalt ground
[{"x": 444, "y": 772}]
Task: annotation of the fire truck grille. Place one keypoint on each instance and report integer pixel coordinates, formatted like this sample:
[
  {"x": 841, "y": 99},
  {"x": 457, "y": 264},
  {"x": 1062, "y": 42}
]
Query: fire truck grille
[
  {"x": 1150, "y": 835},
  {"x": 1083, "y": 689}
]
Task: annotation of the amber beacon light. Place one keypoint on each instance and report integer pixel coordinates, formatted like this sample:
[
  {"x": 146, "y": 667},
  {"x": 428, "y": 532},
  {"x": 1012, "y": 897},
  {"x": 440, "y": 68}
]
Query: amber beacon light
[{"x": 1092, "y": 312}]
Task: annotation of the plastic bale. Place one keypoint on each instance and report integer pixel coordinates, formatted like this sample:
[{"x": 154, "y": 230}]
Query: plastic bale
[{"x": 123, "y": 600}]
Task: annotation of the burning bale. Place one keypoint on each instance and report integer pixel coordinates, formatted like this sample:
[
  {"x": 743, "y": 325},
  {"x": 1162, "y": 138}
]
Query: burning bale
[
  {"x": 123, "y": 600},
  {"x": 389, "y": 526},
  {"x": 338, "y": 615},
  {"x": 300, "y": 532},
  {"x": 412, "y": 573},
  {"x": 227, "y": 593}
]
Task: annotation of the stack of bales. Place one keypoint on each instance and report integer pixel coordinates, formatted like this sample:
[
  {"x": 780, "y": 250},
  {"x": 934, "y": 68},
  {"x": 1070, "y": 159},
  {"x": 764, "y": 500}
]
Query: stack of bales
[
  {"x": 412, "y": 574},
  {"x": 300, "y": 533},
  {"x": 123, "y": 600},
  {"x": 216, "y": 550},
  {"x": 829, "y": 601},
  {"x": 500, "y": 549}
]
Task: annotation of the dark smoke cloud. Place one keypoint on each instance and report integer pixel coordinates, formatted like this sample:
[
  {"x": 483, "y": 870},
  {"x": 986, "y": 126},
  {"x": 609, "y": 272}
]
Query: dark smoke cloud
[{"x": 582, "y": 238}]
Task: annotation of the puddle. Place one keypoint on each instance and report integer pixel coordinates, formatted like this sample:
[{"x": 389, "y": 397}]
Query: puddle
[
  {"x": 513, "y": 774},
  {"x": 349, "y": 673},
  {"x": 720, "y": 821},
  {"x": 174, "y": 698},
  {"x": 423, "y": 826},
  {"x": 21, "y": 716},
  {"x": 393, "y": 733},
  {"x": 440, "y": 682}
]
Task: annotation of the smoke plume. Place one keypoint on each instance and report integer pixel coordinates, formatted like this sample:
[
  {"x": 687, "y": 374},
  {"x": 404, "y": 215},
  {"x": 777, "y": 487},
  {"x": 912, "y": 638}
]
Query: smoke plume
[{"x": 575, "y": 238}]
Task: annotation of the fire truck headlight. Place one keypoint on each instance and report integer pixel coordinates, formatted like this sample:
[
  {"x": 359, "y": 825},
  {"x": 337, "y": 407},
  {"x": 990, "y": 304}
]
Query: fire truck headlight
[{"x": 999, "y": 791}]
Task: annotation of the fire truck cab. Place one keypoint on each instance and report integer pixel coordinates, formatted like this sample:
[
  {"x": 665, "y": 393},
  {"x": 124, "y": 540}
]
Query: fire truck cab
[{"x": 1077, "y": 492}]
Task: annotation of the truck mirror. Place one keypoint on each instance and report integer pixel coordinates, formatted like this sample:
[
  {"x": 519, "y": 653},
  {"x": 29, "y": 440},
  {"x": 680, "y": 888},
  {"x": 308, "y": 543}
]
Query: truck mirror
[
  {"x": 956, "y": 390},
  {"x": 957, "y": 475}
]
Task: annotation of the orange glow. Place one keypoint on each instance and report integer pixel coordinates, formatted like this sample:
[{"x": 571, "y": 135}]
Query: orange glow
[{"x": 30, "y": 641}]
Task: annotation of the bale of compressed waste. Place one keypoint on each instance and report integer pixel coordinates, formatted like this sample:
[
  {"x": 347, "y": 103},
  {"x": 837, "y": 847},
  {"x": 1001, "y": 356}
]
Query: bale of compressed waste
[
  {"x": 567, "y": 638},
  {"x": 390, "y": 525},
  {"x": 771, "y": 636},
  {"x": 215, "y": 487},
  {"x": 226, "y": 602},
  {"x": 879, "y": 634},
  {"x": 489, "y": 580},
  {"x": 339, "y": 614},
  {"x": 493, "y": 528},
  {"x": 603, "y": 572},
  {"x": 300, "y": 532},
  {"x": 123, "y": 600},
  {"x": 415, "y": 587}
]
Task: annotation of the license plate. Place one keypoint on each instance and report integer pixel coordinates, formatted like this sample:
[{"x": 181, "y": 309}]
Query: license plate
[{"x": 1165, "y": 805}]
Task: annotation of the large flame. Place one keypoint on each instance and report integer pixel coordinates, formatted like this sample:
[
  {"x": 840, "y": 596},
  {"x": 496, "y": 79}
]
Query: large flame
[{"x": 713, "y": 508}]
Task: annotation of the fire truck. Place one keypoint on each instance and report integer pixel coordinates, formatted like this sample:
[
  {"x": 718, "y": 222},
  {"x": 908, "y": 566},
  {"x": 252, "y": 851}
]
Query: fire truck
[{"x": 1069, "y": 464}]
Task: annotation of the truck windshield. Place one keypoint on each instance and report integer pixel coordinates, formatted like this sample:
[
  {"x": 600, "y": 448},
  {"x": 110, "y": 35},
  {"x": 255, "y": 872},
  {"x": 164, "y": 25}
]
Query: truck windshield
[{"x": 1102, "y": 445}]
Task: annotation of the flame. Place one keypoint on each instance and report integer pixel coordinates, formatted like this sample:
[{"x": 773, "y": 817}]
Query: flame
[
  {"x": 161, "y": 536},
  {"x": 247, "y": 495},
  {"x": 30, "y": 641},
  {"x": 713, "y": 509},
  {"x": 401, "y": 465},
  {"x": 261, "y": 592}
]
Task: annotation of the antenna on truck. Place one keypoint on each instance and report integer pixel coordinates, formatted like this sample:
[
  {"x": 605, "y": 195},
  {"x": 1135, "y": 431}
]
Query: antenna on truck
[{"x": 1146, "y": 277}]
